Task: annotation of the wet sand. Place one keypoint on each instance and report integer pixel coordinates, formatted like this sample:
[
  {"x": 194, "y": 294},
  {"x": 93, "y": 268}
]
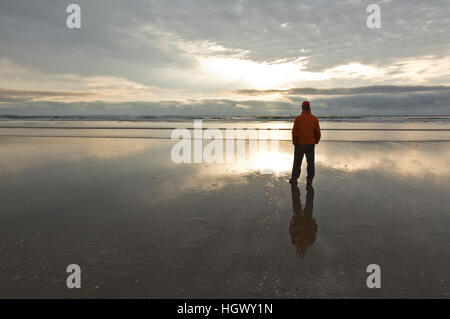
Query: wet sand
[{"x": 141, "y": 226}]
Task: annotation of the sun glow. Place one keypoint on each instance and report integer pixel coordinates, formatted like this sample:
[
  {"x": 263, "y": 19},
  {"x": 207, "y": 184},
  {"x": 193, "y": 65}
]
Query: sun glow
[
  {"x": 262, "y": 75},
  {"x": 272, "y": 162}
]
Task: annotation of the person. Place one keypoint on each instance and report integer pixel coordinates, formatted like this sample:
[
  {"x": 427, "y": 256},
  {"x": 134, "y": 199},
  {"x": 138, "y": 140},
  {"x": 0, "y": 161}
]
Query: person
[
  {"x": 305, "y": 135},
  {"x": 302, "y": 226}
]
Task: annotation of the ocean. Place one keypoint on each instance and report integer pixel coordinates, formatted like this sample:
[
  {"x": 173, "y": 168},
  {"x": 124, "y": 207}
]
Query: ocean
[
  {"x": 229, "y": 118},
  {"x": 334, "y": 128}
]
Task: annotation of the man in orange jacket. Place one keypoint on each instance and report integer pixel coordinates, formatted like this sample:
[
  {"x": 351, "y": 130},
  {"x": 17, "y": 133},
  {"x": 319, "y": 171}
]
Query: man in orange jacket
[{"x": 305, "y": 135}]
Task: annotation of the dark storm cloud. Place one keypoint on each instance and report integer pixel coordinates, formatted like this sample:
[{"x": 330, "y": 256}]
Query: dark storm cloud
[
  {"x": 417, "y": 103},
  {"x": 377, "y": 89},
  {"x": 411, "y": 104}
]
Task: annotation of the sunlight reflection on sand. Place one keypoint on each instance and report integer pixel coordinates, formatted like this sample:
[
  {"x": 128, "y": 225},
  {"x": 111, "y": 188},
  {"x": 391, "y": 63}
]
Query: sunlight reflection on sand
[{"x": 410, "y": 158}]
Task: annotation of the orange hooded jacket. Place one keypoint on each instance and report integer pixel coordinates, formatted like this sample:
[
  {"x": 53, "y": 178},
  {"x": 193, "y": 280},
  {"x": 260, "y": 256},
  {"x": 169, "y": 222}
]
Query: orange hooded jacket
[{"x": 306, "y": 130}]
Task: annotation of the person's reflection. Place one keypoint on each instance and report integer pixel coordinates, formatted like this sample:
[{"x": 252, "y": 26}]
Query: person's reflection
[{"x": 302, "y": 227}]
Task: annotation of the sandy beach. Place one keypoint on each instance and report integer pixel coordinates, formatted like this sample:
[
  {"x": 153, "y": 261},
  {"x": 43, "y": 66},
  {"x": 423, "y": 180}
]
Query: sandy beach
[{"x": 142, "y": 226}]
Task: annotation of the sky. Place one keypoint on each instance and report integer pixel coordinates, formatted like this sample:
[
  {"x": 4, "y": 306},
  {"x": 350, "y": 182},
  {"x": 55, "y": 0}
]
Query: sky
[{"x": 227, "y": 57}]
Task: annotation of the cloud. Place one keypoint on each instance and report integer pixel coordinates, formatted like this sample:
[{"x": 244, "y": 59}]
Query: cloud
[
  {"x": 377, "y": 89},
  {"x": 193, "y": 53},
  {"x": 8, "y": 95},
  {"x": 410, "y": 103},
  {"x": 142, "y": 35},
  {"x": 29, "y": 83}
]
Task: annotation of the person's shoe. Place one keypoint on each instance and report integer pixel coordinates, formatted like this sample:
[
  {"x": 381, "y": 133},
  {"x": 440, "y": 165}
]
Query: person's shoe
[{"x": 293, "y": 181}]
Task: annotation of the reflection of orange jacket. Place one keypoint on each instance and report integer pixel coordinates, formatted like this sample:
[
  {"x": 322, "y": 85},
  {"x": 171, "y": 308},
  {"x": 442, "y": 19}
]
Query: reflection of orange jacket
[{"x": 306, "y": 129}]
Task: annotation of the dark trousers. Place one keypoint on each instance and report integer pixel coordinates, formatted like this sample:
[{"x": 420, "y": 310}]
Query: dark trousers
[{"x": 301, "y": 150}]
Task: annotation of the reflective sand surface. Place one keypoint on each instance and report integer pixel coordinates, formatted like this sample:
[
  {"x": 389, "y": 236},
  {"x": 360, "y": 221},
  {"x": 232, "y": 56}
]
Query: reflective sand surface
[{"x": 141, "y": 226}]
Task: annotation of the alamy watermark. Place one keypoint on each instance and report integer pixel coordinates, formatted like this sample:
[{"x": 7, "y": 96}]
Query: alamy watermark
[
  {"x": 74, "y": 278},
  {"x": 74, "y": 19},
  {"x": 374, "y": 279},
  {"x": 223, "y": 145},
  {"x": 374, "y": 19}
]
